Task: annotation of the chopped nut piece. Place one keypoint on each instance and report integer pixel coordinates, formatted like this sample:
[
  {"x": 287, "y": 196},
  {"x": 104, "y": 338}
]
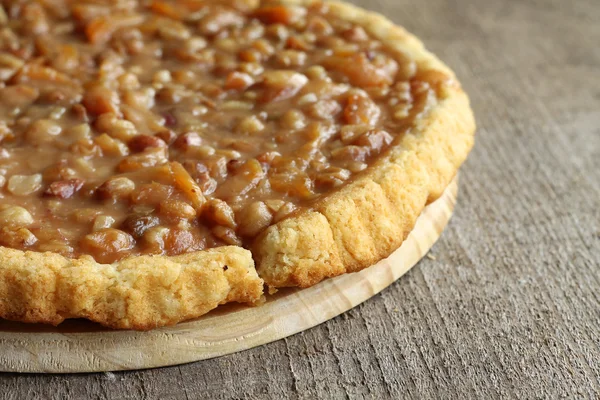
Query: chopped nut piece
[
  {"x": 254, "y": 218},
  {"x": 35, "y": 72},
  {"x": 142, "y": 142},
  {"x": 15, "y": 216},
  {"x": 281, "y": 85},
  {"x": 154, "y": 239},
  {"x": 361, "y": 110},
  {"x": 177, "y": 209},
  {"x": 291, "y": 58},
  {"x": 285, "y": 15},
  {"x": 137, "y": 225},
  {"x": 43, "y": 131},
  {"x": 99, "y": 100},
  {"x": 355, "y": 34},
  {"x": 350, "y": 153},
  {"x": 151, "y": 194},
  {"x": 375, "y": 140},
  {"x": 168, "y": 9},
  {"x": 244, "y": 179},
  {"x": 309, "y": 98},
  {"x": 238, "y": 81},
  {"x": 324, "y": 109},
  {"x": 361, "y": 72},
  {"x": 24, "y": 185},
  {"x": 350, "y": 133},
  {"x": 298, "y": 43},
  {"x": 317, "y": 72},
  {"x": 220, "y": 213},
  {"x": 187, "y": 140},
  {"x": 332, "y": 177},
  {"x": 100, "y": 29},
  {"x": 118, "y": 128},
  {"x": 237, "y": 105},
  {"x": 85, "y": 215},
  {"x": 274, "y": 205},
  {"x": 19, "y": 96},
  {"x": 167, "y": 136},
  {"x": 293, "y": 119},
  {"x": 21, "y": 237},
  {"x": 284, "y": 211},
  {"x": 292, "y": 183},
  {"x": 151, "y": 157},
  {"x": 111, "y": 146},
  {"x": 116, "y": 188},
  {"x": 250, "y": 125},
  {"x": 64, "y": 189},
  {"x": 227, "y": 235},
  {"x": 219, "y": 19},
  {"x": 173, "y": 30},
  {"x": 179, "y": 241},
  {"x": 85, "y": 148},
  {"x": 56, "y": 246},
  {"x": 401, "y": 112},
  {"x": 184, "y": 181},
  {"x": 108, "y": 245},
  {"x": 103, "y": 222}
]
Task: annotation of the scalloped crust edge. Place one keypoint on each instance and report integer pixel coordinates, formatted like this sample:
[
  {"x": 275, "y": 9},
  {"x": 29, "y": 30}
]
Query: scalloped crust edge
[
  {"x": 369, "y": 218},
  {"x": 143, "y": 292}
]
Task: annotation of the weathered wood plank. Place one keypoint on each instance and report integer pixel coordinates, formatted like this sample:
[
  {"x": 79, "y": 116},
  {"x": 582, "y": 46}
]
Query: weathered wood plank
[{"x": 510, "y": 307}]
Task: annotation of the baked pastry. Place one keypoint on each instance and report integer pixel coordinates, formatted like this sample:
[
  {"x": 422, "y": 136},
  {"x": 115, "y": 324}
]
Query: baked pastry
[{"x": 153, "y": 151}]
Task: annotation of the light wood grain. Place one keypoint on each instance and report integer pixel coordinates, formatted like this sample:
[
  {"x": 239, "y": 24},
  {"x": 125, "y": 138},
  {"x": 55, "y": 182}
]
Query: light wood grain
[{"x": 82, "y": 347}]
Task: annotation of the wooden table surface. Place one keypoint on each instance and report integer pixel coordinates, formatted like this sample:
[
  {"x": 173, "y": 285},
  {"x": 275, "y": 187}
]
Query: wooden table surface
[{"x": 509, "y": 306}]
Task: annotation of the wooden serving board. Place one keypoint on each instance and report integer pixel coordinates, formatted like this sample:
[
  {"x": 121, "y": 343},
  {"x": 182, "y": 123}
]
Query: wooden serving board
[{"x": 81, "y": 346}]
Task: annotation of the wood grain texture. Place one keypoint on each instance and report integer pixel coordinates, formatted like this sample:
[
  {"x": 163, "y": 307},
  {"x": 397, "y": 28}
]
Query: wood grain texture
[
  {"x": 80, "y": 346},
  {"x": 510, "y": 307}
]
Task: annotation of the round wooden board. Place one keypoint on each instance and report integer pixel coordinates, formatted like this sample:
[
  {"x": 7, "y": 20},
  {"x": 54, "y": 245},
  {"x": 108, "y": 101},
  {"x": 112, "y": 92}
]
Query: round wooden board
[{"x": 81, "y": 346}]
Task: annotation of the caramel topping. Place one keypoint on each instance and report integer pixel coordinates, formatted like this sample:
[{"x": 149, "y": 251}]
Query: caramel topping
[{"x": 166, "y": 127}]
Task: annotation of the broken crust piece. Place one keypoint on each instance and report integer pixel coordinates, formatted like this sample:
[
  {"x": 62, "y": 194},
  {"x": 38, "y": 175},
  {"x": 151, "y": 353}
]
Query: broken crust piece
[
  {"x": 368, "y": 219},
  {"x": 140, "y": 293}
]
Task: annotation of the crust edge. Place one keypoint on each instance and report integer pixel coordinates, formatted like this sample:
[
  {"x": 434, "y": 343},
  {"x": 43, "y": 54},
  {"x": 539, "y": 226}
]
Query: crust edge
[
  {"x": 139, "y": 293},
  {"x": 368, "y": 219}
]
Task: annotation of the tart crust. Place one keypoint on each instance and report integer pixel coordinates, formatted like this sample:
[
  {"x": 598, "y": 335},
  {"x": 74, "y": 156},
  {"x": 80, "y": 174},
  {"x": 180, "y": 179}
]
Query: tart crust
[
  {"x": 141, "y": 292},
  {"x": 369, "y": 218},
  {"x": 345, "y": 231}
]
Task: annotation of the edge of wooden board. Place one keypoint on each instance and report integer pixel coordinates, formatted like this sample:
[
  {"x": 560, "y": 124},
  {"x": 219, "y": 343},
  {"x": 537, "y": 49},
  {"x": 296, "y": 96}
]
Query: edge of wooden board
[{"x": 80, "y": 346}]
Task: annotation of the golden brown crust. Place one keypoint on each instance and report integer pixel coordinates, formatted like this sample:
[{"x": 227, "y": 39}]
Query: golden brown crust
[
  {"x": 346, "y": 231},
  {"x": 142, "y": 292},
  {"x": 369, "y": 218}
]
